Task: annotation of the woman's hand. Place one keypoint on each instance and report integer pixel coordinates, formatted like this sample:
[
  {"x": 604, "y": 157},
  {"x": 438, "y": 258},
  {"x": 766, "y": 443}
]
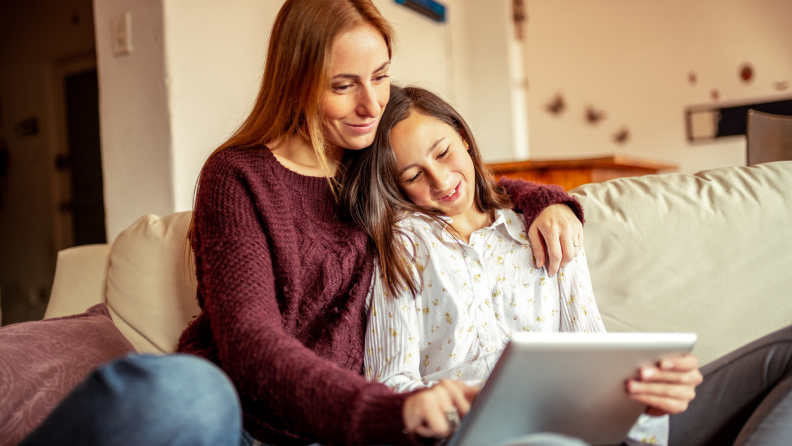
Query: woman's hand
[
  {"x": 558, "y": 229},
  {"x": 425, "y": 411},
  {"x": 668, "y": 388}
]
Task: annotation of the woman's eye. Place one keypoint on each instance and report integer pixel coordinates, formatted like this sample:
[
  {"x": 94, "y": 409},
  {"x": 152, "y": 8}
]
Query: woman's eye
[
  {"x": 342, "y": 88},
  {"x": 411, "y": 180},
  {"x": 443, "y": 154},
  {"x": 381, "y": 77}
]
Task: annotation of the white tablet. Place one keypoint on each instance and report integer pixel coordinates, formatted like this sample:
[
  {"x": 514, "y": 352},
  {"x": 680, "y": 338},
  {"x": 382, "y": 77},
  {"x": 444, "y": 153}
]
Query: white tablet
[{"x": 566, "y": 383}]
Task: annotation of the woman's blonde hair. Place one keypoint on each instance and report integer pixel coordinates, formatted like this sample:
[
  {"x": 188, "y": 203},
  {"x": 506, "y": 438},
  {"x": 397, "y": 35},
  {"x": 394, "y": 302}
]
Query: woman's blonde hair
[{"x": 297, "y": 72}]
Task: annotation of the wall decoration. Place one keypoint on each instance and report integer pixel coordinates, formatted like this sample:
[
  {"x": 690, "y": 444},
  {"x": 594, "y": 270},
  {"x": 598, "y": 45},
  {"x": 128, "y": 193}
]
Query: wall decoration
[
  {"x": 557, "y": 106},
  {"x": 520, "y": 17},
  {"x": 593, "y": 116},
  {"x": 622, "y": 136},
  {"x": 705, "y": 122},
  {"x": 781, "y": 86},
  {"x": 746, "y": 73},
  {"x": 430, "y": 8}
]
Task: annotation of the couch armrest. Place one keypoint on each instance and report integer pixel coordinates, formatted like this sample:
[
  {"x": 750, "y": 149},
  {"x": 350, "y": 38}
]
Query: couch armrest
[{"x": 80, "y": 280}]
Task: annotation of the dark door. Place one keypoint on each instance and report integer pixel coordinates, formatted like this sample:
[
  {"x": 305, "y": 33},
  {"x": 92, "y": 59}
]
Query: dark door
[{"x": 85, "y": 159}]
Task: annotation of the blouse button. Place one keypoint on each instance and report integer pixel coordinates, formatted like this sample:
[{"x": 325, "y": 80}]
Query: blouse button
[
  {"x": 483, "y": 306},
  {"x": 491, "y": 348}
]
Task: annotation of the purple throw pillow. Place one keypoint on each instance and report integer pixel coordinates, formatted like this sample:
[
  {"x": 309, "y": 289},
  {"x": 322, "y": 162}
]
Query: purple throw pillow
[{"x": 42, "y": 361}]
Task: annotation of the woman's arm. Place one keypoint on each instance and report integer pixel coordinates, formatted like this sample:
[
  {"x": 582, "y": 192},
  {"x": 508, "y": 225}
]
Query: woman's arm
[
  {"x": 275, "y": 374},
  {"x": 554, "y": 220}
]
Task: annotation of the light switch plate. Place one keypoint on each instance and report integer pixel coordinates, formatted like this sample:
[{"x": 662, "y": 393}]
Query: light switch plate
[{"x": 122, "y": 34}]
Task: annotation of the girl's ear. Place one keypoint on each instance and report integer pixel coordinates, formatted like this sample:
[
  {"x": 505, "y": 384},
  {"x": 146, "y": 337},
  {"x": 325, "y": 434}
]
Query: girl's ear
[{"x": 464, "y": 139}]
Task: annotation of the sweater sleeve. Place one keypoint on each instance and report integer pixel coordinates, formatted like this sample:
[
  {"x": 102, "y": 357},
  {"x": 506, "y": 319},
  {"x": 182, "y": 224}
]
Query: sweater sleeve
[
  {"x": 300, "y": 393},
  {"x": 532, "y": 198}
]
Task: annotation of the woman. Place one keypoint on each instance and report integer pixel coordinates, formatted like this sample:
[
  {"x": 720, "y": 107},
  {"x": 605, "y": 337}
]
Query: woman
[{"x": 282, "y": 281}]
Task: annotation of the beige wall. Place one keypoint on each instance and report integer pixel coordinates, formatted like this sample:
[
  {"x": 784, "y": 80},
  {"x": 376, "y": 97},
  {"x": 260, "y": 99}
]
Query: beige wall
[
  {"x": 632, "y": 59},
  {"x": 135, "y": 115},
  {"x": 197, "y": 63},
  {"x": 194, "y": 73}
]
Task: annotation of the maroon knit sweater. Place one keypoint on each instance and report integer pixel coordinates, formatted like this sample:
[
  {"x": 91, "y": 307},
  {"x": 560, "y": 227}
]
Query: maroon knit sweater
[{"x": 282, "y": 284}]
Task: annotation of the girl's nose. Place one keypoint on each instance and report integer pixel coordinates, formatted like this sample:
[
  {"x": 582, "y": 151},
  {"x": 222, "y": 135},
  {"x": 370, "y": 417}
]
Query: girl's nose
[{"x": 439, "y": 180}]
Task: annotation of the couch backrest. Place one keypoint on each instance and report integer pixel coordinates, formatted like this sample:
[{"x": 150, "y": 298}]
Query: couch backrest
[
  {"x": 710, "y": 253},
  {"x": 150, "y": 287}
]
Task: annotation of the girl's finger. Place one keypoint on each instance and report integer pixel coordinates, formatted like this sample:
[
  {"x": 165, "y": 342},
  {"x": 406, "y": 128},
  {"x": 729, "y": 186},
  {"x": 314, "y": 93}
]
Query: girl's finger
[
  {"x": 661, "y": 406},
  {"x": 652, "y": 374},
  {"x": 537, "y": 246},
  {"x": 675, "y": 391}
]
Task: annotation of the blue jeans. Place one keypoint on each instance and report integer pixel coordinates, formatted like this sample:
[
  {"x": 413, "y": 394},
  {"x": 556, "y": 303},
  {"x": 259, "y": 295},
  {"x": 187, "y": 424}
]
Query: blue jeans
[{"x": 147, "y": 400}]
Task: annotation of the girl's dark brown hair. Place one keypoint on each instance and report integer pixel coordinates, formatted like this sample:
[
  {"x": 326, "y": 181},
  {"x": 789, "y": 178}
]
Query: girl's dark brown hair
[
  {"x": 370, "y": 194},
  {"x": 297, "y": 72}
]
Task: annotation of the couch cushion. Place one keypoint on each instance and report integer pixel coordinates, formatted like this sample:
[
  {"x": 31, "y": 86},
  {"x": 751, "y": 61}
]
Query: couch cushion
[
  {"x": 150, "y": 287},
  {"x": 41, "y": 361},
  {"x": 710, "y": 253},
  {"x": 80, "y": 280}
]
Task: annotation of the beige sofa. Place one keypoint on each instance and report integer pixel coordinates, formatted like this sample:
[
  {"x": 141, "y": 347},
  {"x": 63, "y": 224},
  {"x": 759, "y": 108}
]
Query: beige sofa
[{"x": 710, "y": 253}]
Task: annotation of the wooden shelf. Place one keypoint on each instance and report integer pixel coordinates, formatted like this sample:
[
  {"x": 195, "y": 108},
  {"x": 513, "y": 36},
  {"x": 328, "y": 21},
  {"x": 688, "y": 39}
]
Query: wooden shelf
[{"x": 571, "y": 173}]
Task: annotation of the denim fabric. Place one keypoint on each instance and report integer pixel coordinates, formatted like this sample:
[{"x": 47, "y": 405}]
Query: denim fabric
[{"x": 147, "y": 400}]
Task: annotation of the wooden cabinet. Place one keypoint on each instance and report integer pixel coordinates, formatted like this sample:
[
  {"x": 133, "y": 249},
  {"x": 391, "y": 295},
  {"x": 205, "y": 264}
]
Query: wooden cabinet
[{"x": 571, "y": 173}]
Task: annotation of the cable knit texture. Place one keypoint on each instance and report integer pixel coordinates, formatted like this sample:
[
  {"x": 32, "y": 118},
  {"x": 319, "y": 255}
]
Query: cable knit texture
[{"x": 282, "y": 284}]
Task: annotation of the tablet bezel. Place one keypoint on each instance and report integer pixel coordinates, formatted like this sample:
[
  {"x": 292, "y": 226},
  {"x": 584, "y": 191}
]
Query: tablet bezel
[{"x": 578, "y": 377}]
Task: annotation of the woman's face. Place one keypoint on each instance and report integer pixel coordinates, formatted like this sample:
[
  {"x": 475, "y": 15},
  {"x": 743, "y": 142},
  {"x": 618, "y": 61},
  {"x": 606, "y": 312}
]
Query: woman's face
[
  {"x": 435, "y": 169},
  {"x": 359, "y": 88}
]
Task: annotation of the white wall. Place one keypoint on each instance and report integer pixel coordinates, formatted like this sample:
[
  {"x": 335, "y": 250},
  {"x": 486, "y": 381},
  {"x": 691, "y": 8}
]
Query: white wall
[
  {"x": 632, "y": 59},
  {"x": 135, "y": 116},
  {"x": 215, "y": 53},
  {"x": 196, "y": 67}
]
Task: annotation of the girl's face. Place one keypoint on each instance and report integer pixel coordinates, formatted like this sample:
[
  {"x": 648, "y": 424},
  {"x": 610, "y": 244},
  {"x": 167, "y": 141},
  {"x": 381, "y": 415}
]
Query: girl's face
[
  {"x": 359, "y": 88},
  {"x": 435, "y": 169}
]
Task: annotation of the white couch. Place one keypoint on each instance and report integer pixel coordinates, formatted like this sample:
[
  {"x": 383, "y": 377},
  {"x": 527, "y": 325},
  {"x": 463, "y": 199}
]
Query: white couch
[{"x": 710, "y": 253}]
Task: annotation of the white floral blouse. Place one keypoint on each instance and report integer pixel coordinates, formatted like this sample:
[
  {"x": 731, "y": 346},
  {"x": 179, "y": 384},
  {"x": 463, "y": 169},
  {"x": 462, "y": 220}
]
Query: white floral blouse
[{"x": 473, "y": 297}]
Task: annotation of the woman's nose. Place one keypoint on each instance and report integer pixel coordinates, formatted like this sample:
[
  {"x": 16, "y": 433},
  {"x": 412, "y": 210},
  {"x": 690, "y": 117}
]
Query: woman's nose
[{"x": 368, "y": 102}]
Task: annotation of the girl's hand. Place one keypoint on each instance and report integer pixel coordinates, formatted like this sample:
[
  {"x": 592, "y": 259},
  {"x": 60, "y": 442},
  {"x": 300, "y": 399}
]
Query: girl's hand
[
  {"x": 558, "y": 229},
  {"x": 668, "y": 388},
  {"x": 425, "y": 411}
]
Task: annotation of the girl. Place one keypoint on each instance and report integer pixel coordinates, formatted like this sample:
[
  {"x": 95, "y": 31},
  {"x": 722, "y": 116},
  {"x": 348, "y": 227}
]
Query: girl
[{"x": 457, "y": 277}]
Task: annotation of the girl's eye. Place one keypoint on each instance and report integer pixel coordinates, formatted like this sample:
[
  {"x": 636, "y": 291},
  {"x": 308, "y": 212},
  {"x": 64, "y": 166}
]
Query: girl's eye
[
  {"x": 443, "y": 154},
  {"x": 411, "y": 180}
]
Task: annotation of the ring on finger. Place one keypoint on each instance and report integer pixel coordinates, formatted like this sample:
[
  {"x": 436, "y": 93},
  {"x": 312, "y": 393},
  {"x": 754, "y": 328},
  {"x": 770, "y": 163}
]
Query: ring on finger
[{"x": 452, "y": 416}]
